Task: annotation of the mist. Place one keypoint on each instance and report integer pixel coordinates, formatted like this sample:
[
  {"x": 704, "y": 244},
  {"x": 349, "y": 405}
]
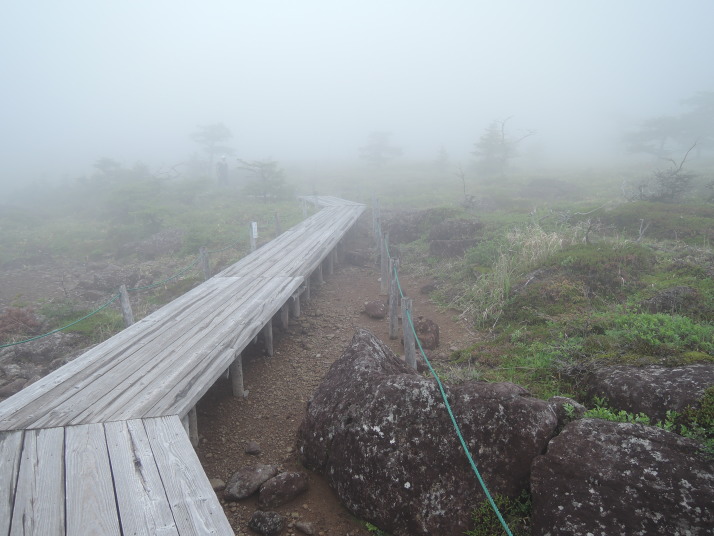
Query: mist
[{"x": 309, "y": 81}]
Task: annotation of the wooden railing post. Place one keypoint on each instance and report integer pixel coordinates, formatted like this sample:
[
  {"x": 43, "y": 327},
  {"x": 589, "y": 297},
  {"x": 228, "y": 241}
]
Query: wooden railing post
[
  {"x": 408, "y": 333},
  {"x": 203, "y": 261},
  {"x": 253, "y": 231},
  {"x": 126, "y": 311},
  {"x": 384, "y": 264},
  {"x": 393, "y": 299}
]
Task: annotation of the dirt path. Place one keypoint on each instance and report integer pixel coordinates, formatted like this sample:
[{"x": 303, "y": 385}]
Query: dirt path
[{"x": 281, "y": 386}]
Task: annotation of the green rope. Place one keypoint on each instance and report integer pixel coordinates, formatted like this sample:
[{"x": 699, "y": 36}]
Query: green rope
[
  {"x": 458, "y": 430},
  {"x": 116, "y": 296},
  {"x": 229, "y": 246},
  {"x": 176, "y": 275}
]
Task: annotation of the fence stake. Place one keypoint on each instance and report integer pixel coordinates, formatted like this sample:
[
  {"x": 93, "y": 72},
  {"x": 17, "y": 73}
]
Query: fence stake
[
  {"x": 126, "y": 311},
  {"x": 236, "y": 369},
  {"x": 393, "y": 299},
  {"x": 203, "y": 256},
  {"x": 384, "y": 265},
  {"x": 376, "y": 224},
  {"x": 408, "y": 333},
  {"x": 253, "y": 231}
]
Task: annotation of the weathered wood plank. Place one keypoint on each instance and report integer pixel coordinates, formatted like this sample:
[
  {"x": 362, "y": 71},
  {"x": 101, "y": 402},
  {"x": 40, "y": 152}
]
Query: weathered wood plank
[
  {"x": 90, "y": 503},
  {"x": 43, "y": 399},
  {"x": 10, "y": 452},
  {"x": 39, "y": 497},
  {"x": 143, "y": 506},
  {"x": 137, "y": 377},
  {"x": 193, "y": 502}
]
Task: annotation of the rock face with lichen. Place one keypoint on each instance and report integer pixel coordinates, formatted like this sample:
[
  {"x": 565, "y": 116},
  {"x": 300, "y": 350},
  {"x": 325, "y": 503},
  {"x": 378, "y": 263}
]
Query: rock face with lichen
[
  {"x": 380, "y": 433},
  {"x": 601, "y": 477},
  {"x": 652, "y": 389}
]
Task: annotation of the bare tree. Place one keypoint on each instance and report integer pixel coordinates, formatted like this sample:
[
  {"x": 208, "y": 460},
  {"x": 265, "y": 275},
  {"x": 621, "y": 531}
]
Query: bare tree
[{"x": 665, "y": 185}]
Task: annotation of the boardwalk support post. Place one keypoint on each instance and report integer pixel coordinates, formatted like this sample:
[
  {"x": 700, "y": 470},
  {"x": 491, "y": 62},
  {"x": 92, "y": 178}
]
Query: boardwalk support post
[
  {"x": 193, "y": 426},
  {"x": 393, "y": 299},
  {"x": 285, "y": 316},
  {"x": 295, "y": 303},
  {"x": 126, "y": 311},
  {"x": 268, "y": 336},
  {"x": 236, "y": 369},
  {"x": 408, "y": 333}
]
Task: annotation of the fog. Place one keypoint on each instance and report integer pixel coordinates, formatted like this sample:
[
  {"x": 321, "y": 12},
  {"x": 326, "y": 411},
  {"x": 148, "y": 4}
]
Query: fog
[{"x": 309, "y": 81}]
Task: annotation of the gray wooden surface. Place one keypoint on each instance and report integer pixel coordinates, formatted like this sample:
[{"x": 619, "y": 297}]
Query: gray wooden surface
[
  {"x": 98, "y": 447},
  {"x": 139, "y": 477}
]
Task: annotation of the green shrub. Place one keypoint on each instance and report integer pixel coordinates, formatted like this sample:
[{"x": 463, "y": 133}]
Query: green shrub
[
  {"x": 661, "y": 334},
  {"x": 515, "y": 512}
]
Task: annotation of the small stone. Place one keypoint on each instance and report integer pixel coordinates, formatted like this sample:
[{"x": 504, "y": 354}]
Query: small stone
[
  {"x": 209, "y": 455},
  {"x": 305, "y": 528},
  {"x": 252, "y": 448},
  {"x": 217, "y": 484},
  {"x": 266, "y": 523}
]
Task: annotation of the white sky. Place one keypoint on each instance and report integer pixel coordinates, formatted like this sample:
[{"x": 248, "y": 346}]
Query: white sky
[{"x": 131, "y": 79}]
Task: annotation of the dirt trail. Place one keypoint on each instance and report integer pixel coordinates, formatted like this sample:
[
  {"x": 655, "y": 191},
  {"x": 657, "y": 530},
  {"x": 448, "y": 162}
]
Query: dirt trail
[{"x": 281, "y": 386}]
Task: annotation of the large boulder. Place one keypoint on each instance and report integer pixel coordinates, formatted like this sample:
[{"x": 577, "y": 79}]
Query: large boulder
[
  {"x": 652, "y": 389},
  {"x": 604, "y": 478},
  {"x": 380, "y": 434}
]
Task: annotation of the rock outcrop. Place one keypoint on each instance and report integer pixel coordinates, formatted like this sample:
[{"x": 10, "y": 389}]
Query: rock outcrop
[
  {"x": 380, "y": 434},
  {"x": 606, "y": 478},
  {"x": 653, "y": 389}
]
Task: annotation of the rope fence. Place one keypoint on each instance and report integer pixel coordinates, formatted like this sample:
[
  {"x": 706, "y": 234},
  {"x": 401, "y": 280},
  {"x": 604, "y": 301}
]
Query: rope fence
[{"x": 391, "y": 275}]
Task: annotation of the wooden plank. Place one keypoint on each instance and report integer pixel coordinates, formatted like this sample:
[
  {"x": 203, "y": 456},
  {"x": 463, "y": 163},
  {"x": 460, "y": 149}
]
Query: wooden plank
[
  {"x": 193, "y": 502},
  {"x": 90, "y": 502},
  {"x": 31, "y": 404},
  {"x": 137, "y": 377},
  {"x": 39, "y": 496},
  {"x": 197, "y": 363},
  {"x": 143, "y": 506},
  {"x": 10, "y": 452},
  {"x": 180, "y": 393}
]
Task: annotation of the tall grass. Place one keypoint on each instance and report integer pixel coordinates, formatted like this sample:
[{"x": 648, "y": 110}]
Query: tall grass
[{"x": 525, "y": 247}]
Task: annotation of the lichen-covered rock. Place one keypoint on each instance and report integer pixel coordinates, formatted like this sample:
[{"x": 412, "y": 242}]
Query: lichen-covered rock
[
  {"x": 653, "y": 389},
  {"x": 266, "y": 523},
  {"x": 282, "y": 489},
  {"x": 604, "y": 478},
  {"x": 380, "y": 434},
  {"x": 245, "y": 482},
  {"x": 566, "y": 409},
  {"x": 428, "y": 332}
]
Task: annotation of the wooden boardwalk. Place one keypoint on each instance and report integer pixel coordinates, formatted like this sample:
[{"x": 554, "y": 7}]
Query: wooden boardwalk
[{"x": 98, "y": 446}]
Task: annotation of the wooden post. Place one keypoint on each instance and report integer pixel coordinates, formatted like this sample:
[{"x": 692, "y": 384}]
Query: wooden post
[
  {"x": 303, "y": 203},
  {"x": 278, "y": 226},
  {"x": 393, "y": 299},
  {"x": 236, "y": 369},
  {"x": 285, "y": 316},
  {"x": 307, "y": 289},
  {"x": 384, "y": 265},
  {"x": 126, "y": 311},
  {"x": 193, "y": 426},
  {"x": 203, "y": 261},
  {"x": 253, "y": 231},
  {"x": 318, "y": 275},
  {"x": 408, "y": 333},
  {"x": 295, "y": 303},
  {"x": 330, "y": 263},
  {"x": 377, "y": 224},
  {"x": 268, "y": 336}
]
